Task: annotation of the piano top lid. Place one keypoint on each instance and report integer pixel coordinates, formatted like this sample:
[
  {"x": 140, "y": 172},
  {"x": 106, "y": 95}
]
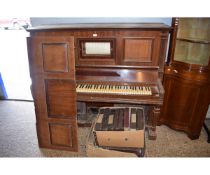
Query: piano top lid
[{"x": 143, "y": 26}]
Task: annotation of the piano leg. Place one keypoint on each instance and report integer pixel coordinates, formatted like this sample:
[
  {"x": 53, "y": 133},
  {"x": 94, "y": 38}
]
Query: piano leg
[{"x": 151, "y": 127}]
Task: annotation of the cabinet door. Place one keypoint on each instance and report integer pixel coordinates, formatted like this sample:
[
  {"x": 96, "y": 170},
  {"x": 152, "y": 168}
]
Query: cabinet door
[
  {"x": 57, "y": 134},
  {"x": 185, "y": 105},
  {"x": 52, "y": 71},
  {"x": 180, "y": 102},
  {"x": 51, "y": 55},
  {"x": 139, "y": 48}
]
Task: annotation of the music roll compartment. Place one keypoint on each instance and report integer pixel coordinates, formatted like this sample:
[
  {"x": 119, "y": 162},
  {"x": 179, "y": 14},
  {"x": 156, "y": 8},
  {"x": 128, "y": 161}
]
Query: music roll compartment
[{"x": 120, "y": 128}]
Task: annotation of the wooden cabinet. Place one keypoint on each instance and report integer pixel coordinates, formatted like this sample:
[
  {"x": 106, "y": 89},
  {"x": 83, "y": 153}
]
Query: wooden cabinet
[
  {"x": 187, "y": 78},
  {"x": 111, "y": 54},
  {"x": 52, "y": 71}
]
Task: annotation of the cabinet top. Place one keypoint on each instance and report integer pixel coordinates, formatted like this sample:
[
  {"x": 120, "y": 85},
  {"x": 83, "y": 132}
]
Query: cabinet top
[{"x": 143, "y": 26}]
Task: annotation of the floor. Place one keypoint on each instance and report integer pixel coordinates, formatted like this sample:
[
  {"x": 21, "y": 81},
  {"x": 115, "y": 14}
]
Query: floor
[{"x": 18, "y": 137}]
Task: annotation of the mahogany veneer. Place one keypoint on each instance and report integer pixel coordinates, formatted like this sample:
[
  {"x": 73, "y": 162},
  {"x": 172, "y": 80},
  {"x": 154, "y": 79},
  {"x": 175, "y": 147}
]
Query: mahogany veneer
[
  {"x": 187, "y": 78},
  {"x": 58, "y": 60}
]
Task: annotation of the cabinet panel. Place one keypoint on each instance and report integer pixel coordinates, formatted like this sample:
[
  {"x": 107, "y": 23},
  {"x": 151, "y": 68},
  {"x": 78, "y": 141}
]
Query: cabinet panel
[
  {"x": 55, "y": 57},
  {"x": 61, "y": 134},
  {"x": 61, "y": 98},
  {"x": 181, "y": 99},
  {"x": 138, "y": 50},
  {"x": 51, "y": 55},
  {"x": 57, "y": 134}
]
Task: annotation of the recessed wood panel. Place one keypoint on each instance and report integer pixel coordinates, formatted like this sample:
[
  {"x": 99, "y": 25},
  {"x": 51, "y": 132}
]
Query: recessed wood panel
[
  {"x": 181, "y": 101},
  {"x": 138, "y": 50},
  {"x": 61, "y": 98},
  {"x": 55, "y": 57},
  {"x": 61, "y": 134}
]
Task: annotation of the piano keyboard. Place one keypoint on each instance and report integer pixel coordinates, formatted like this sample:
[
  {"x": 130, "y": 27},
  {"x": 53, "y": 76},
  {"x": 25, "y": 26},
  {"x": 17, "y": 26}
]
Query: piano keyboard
[{"x": 114, "y": 89}]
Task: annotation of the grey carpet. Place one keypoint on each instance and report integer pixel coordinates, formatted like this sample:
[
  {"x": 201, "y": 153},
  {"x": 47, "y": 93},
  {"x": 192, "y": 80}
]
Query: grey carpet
[{"x": 18, "y": 137}]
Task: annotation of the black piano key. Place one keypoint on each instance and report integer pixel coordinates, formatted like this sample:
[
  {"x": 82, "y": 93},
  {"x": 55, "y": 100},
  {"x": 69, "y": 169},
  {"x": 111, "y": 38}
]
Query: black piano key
[{"x": 139, "y": 119}]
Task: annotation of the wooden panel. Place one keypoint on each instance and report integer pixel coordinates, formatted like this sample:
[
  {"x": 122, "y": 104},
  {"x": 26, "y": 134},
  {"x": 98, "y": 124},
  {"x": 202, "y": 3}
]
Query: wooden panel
[
  {"x": 61, "y": 134},
  {"x": 181, "y": 101},
  {"x": 55, "y": 57},
  {"x": 186, "y": 98},
  {"x": 61, "y": 98},
  {"x": 138, "y": 50},
  {"x": 51, "y": 55},
  {"x": 57, "y": 134}
]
